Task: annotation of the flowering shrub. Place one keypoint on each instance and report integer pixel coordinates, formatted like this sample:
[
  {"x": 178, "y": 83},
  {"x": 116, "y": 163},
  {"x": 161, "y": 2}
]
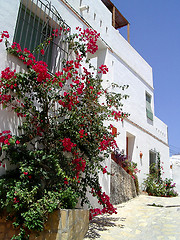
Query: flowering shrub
[
  {"x": 62, "y": 139},
  {"x": 119, "y": 157},
  {"x": 154, "y": 184},
  {"x": 4, "y": 35},
  {"x": 127, "y": 165}
]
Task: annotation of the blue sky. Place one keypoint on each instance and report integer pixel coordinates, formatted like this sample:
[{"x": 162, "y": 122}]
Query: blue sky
[{"x": 155, "y": 34}]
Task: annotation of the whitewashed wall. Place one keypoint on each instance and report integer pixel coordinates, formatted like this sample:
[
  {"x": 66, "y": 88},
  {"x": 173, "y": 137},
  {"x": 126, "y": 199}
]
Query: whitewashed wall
[
  {"x": 126, "y": 66},
  {"x": 175, "y": 171}
]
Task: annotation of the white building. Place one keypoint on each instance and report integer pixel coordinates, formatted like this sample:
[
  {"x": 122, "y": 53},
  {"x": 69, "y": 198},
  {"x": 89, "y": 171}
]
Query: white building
[
  {"x": 142, "y": 132},
  {"x": 175, "y": 170}
]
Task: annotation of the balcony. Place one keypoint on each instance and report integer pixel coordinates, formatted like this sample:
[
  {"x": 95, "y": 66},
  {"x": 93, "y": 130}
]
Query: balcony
[{"x": 118, "y": 20}]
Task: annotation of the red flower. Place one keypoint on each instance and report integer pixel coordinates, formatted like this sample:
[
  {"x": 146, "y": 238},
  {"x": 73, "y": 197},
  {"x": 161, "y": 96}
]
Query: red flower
[
  {"x": 9, "y": 136},
  {"x": 6, "y": 141},
  {"x": 103, "y": 69},
  {"x": 16, "y": 200},
  {"x": 65, "y": 181},
  {"x": 67, "y": 144},
  {"x": 104, "y": 170},
  {"x": 42, "y": 52}
]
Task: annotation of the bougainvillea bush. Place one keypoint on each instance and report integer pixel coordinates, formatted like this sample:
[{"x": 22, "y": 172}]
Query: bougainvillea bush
[{"x": 62, "y": 139}]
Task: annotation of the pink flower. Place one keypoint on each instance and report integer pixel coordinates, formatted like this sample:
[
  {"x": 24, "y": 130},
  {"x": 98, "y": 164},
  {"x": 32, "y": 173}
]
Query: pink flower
[{"x": 18, "y": 142}]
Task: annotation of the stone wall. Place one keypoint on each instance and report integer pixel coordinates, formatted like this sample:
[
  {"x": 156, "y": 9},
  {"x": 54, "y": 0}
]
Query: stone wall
[
  {"x": 122, "y": 185},
  {"x": 62, "y": 225}
]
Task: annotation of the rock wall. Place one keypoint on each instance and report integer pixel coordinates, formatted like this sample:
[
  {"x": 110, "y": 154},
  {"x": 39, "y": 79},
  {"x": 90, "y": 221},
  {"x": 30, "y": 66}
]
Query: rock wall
[
  {"x": 64, "y": 224},
  {"x": 122, "y": 185}
]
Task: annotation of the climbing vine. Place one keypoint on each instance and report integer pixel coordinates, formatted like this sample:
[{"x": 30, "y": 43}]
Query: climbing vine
[{"x": 62, "y": 137}]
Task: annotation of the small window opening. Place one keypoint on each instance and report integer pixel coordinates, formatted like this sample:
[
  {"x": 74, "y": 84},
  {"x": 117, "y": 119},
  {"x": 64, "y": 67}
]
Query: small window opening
[{"x": 149, "y": 112}]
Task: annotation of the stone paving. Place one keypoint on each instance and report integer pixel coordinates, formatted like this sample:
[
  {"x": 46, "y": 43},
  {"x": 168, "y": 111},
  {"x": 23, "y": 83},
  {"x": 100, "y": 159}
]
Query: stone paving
[{"x": 142, "y": 218}]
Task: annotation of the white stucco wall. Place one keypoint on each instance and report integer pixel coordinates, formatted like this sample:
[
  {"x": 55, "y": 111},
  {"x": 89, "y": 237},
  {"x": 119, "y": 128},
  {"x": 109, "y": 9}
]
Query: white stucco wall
[
  {"x": 111, "y": 36},
  {"x": 148, "y": 135},
  {"x": 175, "y": 171},
  {"x": 125, "y": 65},
  {"x": 8, "y": 16}
]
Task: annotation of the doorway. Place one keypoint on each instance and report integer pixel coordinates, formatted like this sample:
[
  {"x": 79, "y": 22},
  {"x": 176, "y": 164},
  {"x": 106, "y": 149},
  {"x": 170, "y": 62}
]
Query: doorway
[{"x": 130, "y": 140}]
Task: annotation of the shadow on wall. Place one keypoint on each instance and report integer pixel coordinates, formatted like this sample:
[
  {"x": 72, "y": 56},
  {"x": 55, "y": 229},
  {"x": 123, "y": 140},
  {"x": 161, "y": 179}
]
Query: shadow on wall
[{"x": 8, "y": 120}]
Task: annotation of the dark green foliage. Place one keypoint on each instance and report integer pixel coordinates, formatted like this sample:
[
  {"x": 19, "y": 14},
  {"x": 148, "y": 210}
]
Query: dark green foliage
[{"x": 154, "y": 184}]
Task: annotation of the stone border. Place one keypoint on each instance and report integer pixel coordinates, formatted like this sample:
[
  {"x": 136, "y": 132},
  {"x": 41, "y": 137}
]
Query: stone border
[{"x": 63, "y": 224}]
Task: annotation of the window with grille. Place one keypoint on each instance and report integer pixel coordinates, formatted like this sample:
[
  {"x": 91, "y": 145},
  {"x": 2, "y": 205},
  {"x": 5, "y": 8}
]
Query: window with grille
[
  {"x": 152, "y": 161},
  {"x": 149, "y": 112},
  {"x": 38, "y": 20}
]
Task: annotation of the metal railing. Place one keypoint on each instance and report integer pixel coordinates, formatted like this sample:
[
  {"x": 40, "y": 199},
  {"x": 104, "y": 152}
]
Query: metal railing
[{"x": 38, "y": 21}]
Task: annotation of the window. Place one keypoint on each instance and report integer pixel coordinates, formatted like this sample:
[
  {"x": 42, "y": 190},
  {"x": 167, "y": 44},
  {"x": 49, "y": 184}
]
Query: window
[
  {"x": 152, "y": 160},
  {"x": 149, "y": 112},
  {"x": 35, "y": 23}
]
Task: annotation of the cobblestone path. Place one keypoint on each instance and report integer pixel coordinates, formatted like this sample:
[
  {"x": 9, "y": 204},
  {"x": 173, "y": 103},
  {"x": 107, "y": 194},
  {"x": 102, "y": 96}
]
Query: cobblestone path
[{"x": 142, "y": 218}]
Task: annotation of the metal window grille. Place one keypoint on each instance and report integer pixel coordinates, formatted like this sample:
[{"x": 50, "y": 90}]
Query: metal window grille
[
  {"x": 37, "y": 21},
  {"x": 152, "y": 160}
]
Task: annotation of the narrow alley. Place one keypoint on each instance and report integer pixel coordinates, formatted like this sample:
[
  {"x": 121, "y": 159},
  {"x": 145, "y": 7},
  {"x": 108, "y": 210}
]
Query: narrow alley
[{"x": 142, "y": 218}]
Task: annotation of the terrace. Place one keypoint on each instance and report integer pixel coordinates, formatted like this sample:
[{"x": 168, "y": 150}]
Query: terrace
[{"x": 118, "y": 20}]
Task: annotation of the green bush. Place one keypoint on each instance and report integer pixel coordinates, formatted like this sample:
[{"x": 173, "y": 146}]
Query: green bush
[{"x": 154, "y": 185}]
